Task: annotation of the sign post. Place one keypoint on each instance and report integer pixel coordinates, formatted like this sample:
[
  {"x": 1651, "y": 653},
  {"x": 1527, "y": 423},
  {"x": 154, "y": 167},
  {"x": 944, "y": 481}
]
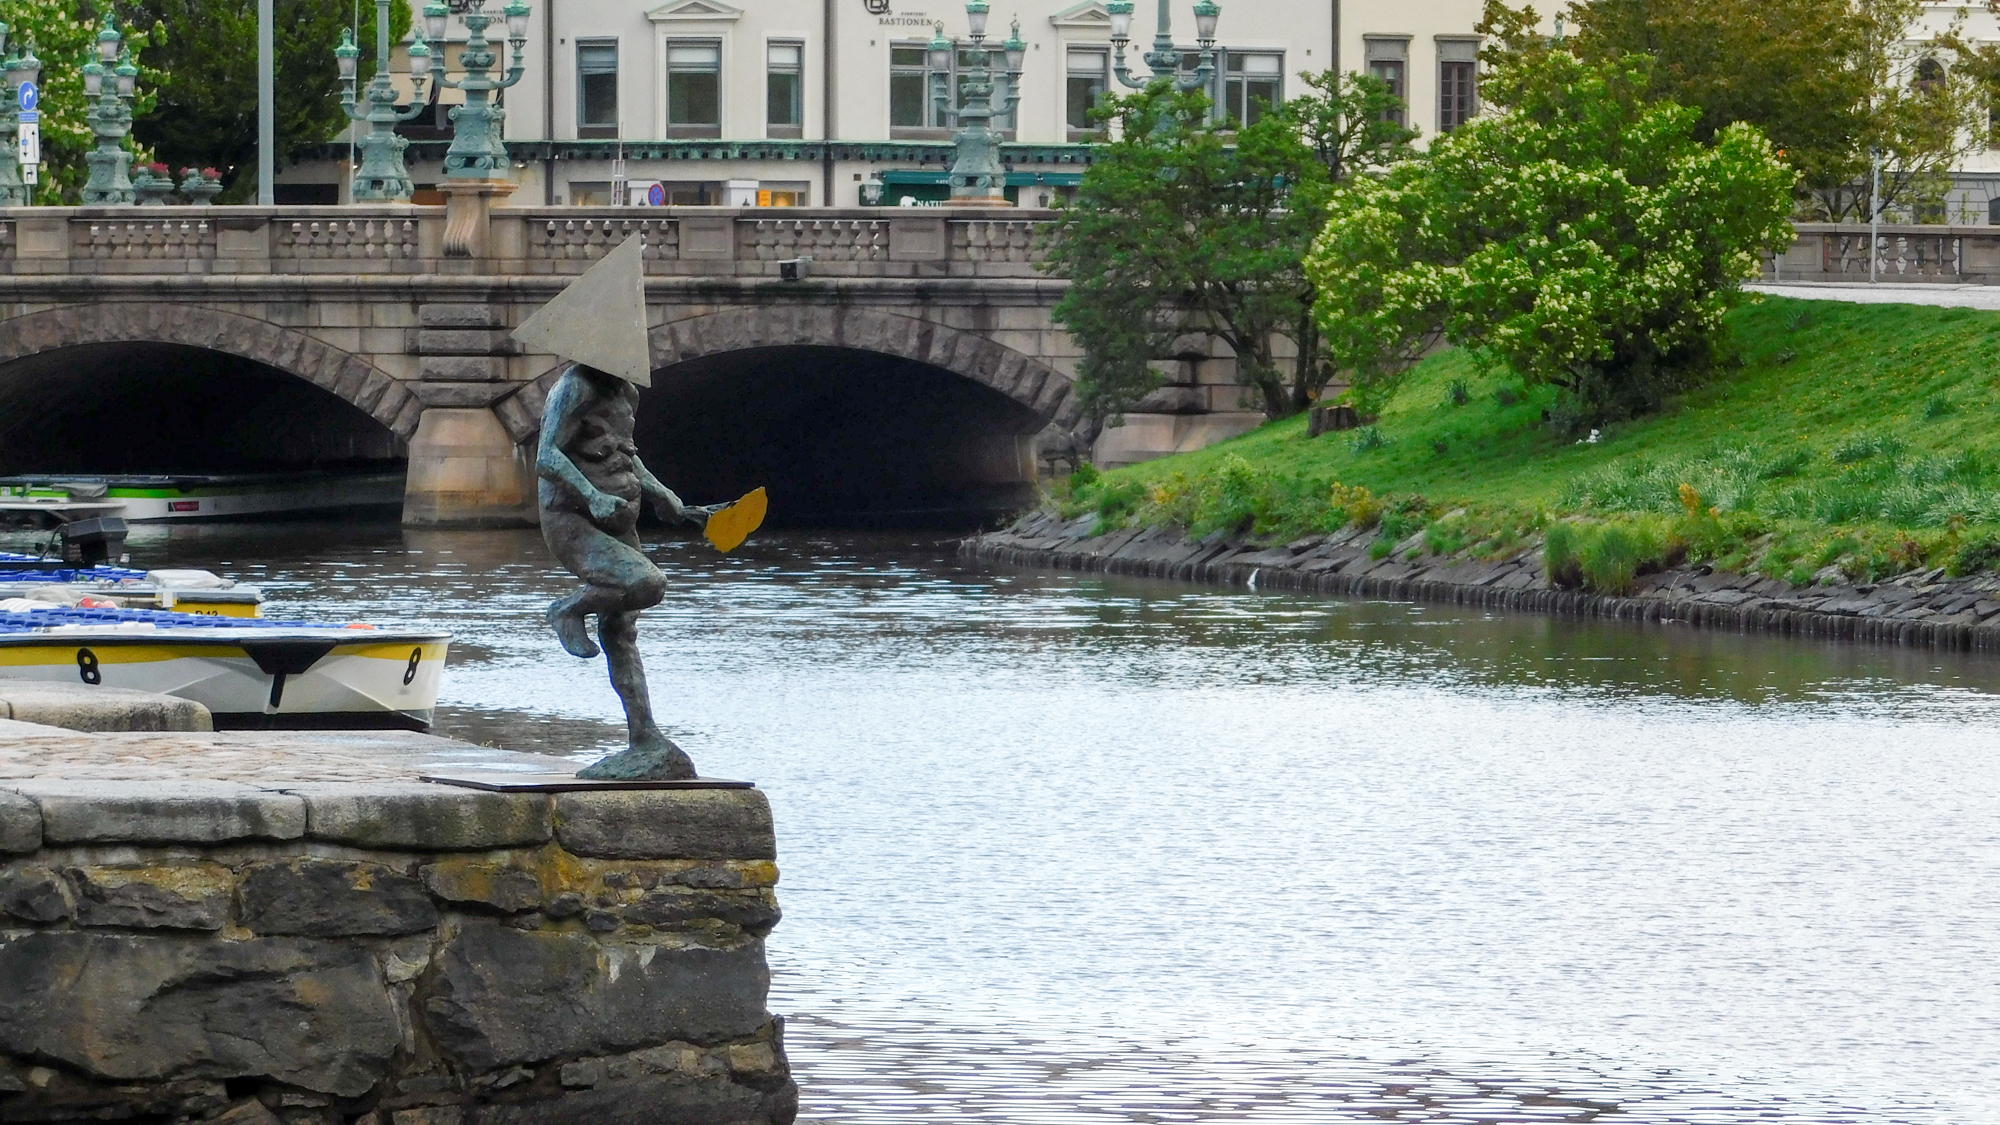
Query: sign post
[{"x": 30, "y": 132}]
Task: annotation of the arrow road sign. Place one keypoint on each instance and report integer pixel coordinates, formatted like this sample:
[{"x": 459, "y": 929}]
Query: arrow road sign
[
  {"x": 31, "y": 97},
  {"x": 31, "y": 143}
]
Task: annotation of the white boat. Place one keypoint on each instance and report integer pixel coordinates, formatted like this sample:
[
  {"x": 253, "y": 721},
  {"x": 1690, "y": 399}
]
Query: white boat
[
  {"x": 158, "y": 498},
  {"x": 118, "y": 587},
  {"x": 250, "y": 673}
]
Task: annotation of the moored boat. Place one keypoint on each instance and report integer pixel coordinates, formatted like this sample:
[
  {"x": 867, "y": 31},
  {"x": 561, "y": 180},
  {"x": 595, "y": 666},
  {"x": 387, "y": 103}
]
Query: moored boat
[
  {"x": 154, "y": 498},
  {"x": 250, "y": 673},
  {"x": 102, "y": 586}
]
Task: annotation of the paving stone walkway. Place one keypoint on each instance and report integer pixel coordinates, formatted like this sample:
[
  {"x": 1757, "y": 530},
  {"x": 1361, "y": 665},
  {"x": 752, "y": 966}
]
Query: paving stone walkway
[{"x": 1887, "y": 293}]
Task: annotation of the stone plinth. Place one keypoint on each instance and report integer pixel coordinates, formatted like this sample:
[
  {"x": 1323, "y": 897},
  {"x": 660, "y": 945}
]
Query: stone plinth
[{"x": 274, "y": 927}]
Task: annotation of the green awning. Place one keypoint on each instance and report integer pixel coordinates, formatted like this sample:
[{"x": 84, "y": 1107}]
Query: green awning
[{"x": 1014, "y": 179}]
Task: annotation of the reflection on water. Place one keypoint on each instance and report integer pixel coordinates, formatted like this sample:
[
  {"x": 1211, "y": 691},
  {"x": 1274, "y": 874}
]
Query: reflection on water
[{"x": 1072, "y": 849}]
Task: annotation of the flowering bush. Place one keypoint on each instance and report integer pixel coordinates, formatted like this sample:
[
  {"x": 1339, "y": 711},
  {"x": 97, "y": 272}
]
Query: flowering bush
[{"x": 1582, "y": 237}]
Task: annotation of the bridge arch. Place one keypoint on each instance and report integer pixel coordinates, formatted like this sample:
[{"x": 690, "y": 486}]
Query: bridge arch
[
  {"x": 346, "y": 376},
  {"x": 846, "y": 414},
  {"x": 1023, "y": 378}
]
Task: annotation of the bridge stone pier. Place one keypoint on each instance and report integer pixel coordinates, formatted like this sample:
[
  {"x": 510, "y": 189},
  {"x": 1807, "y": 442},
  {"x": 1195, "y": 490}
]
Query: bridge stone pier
[{"x": 917, "y": 360}]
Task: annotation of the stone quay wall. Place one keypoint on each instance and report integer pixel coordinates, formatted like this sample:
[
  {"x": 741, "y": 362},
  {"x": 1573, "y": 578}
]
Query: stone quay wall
[
  {"x": 1923, "y": 608},
  {"x": 383, "y": 952}
]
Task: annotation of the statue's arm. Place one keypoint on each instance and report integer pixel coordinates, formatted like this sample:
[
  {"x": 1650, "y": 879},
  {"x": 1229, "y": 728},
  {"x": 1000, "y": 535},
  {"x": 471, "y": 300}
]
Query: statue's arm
[
  {"x": 668, "y": 504},
  {"x": 559, "y": 428}
]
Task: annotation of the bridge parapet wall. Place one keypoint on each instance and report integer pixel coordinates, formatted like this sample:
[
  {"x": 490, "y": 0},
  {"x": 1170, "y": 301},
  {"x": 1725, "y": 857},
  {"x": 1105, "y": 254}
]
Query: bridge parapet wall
[{"x": 403, "y": 239}]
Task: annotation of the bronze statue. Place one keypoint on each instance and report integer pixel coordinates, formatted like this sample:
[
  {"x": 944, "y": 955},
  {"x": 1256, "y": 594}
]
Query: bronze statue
[{"x": 592, "y": 483}]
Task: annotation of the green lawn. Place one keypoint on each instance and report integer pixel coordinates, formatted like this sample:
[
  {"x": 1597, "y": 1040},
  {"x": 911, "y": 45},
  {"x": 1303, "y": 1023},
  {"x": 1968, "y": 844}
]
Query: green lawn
[{"x": 1859, "y": 436}]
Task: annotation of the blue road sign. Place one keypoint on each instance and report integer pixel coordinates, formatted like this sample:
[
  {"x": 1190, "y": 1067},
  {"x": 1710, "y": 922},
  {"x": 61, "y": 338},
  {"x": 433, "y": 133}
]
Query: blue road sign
[
  {"x": 656, "y": 195},
  {"x": 31, "y": 97}
]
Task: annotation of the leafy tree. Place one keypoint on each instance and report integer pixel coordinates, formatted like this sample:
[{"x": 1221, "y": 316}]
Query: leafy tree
[
  {"x": 1190, "y": 224},
  {"x": 1830, "y": 82},
  {"x": 1583, "y": 236},
  {"x": 64, "y": 34},
  {"x": 207, "y": 109}
]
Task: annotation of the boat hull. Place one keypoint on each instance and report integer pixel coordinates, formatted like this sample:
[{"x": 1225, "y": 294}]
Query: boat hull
[
  {"x": 318, "y": 679},
  {"x": 189, "y": 499}
]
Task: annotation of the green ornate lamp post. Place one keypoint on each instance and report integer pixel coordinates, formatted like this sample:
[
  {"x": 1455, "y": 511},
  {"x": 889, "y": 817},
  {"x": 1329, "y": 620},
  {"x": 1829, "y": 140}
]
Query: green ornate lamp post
[
  {"x": 21, "y": 66},
  {"x": 1165, "y": 57},
  {"x": 110, "y": 81},
  {"x": 382, "y": 175},
  {"x": 977, "y": 176},
  {"x": 477, "y": 151}
]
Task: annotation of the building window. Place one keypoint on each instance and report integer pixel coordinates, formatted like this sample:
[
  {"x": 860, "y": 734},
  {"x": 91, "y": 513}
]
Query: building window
[
  {"x": 596, "y": 88},
  {"x": 1458, "y": 82},
  {"x": 1089, "y": 71},
  {"x": 1389, "y": 63},
  {"x": 785, "y": 90},
  {"x": 694, "y": 88},
  {"x": 911, "y": 111},
  {"x": 590, "y": 193},
  {"x": 1993, "y": 212},
  {"x": 1251, "y": 84}
]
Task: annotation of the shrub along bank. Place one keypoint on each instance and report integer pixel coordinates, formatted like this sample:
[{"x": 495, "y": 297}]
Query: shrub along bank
[{"x": 1840, "y": 444}]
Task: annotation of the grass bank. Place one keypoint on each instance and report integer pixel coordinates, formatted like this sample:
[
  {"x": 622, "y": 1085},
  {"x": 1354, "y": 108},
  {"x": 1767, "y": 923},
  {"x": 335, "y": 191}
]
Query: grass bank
[{"x": 1841, "y": 443}]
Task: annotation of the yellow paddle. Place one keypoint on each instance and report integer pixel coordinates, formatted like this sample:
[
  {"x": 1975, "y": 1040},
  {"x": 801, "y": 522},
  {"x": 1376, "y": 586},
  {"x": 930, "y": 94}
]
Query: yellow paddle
[{"x": 728, "y": 528}]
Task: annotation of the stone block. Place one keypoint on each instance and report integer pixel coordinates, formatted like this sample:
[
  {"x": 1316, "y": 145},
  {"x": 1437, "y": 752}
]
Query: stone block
[
  {"x": 463, "y": 368},
  {"x": 464, "y": 341},
  {"x": 667, "y": 824},
  {"x": 650, "y": 1099},
  {"x": 417, "y": 815},
  {"x": 161, "y": 812},
  {"x": 329, "y": 898},
  {"x": 148, "y": 1007},
  {"x": 86, "y": 708},
  {"x": 465, "y": 879},
  {"x": 33, "y": 893},
  {"x": 160, "y": 897},
  {"x": 460, "y": 394},
  {"x": 460, "y": 315},
  {"x": 500, "y": 996},
  {"x": 20, "y": 823},
  {"x": 667, "y": 907}
]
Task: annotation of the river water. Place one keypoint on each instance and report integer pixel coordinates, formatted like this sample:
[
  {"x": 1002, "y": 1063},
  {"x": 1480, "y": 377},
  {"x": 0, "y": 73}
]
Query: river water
[{"x": 1062, "y": 849}]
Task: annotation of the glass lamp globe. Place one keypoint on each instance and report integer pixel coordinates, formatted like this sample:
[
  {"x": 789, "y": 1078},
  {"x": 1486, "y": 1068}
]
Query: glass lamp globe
[
  {"x": 1205, "y": 14},
  {"x": 1120, "y": 12},
  {"x": 346, "y": 55}
]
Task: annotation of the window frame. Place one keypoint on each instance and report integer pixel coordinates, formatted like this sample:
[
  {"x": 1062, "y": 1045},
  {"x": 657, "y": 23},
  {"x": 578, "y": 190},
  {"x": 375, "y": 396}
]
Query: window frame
[
  {"x": 592, "y": 130},
  {"x": 1226, "y": 102},
  {"x": 693, "y": 128},
  {"x": 1383, "y": 50},
  {"x": 1102, "y": 80},
  {"x": 931, "y": 129},
  {"x": 1455, "y": 108},
  {"x": 794, "y": 128}
]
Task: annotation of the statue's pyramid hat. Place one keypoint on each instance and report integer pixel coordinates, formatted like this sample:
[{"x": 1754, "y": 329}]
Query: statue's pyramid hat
[{"x": 600, "y": 320}]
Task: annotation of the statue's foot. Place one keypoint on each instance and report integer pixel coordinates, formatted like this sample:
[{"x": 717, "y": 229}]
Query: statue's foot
[
  {"x": 649, "y": 760},
  {"x": 572, "y": 632}
]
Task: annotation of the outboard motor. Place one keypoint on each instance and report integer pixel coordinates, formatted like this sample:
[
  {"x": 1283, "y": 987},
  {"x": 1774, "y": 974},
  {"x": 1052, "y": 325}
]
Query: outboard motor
[{"x": 93, "y": 541}]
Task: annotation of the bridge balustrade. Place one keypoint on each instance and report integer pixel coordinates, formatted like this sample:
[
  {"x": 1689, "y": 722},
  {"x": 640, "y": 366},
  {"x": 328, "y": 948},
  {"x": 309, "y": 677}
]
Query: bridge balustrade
[
  {"x": 1903, "y": 252},
  {"x": 402, "y": 239}
]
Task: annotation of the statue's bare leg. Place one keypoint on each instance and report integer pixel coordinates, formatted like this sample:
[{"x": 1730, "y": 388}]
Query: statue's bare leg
[
  {"x": 651, "y": 754},
  {"x": 623, "y": 581}
]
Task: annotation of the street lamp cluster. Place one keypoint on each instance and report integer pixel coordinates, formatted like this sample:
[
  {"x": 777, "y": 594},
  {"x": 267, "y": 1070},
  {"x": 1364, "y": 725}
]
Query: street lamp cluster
[
  {"x": 1166, "y": 57},
  {"x": 477, "y": 152},
  {"x": 110, "y": 117},
  {"x": 977, "y": 176},
  {"x": 21, "y": 66}
]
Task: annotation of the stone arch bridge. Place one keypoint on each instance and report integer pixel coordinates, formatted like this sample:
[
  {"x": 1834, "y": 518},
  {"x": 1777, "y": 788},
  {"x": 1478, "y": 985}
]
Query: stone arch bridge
[{"x": 916, "y": 359}]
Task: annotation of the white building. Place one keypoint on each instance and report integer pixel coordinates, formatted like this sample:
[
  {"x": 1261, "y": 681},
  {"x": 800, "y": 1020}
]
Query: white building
[{"x": 803, "y": 102}]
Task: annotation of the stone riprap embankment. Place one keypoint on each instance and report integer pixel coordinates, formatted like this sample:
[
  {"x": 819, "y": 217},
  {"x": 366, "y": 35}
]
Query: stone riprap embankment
[
  {"x": 252, "y": 928},
  {"x": 1920, "y": 608}
]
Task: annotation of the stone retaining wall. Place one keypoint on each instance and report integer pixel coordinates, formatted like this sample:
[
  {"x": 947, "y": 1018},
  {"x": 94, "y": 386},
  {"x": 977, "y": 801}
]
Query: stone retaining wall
[
  {"x": 1922, "y": 608},
  {"x": 390, "y": 953}
]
